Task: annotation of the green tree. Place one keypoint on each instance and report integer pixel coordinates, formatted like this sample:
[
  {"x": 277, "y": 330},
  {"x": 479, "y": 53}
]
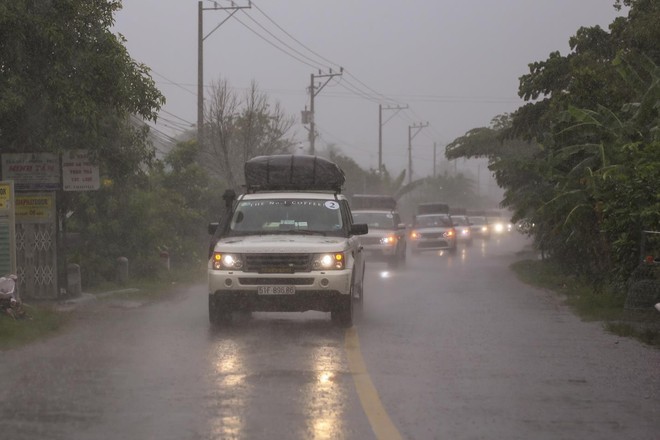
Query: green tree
[
  {"x": 168, "y": 211},
  {"x": 68, "y": 82},
  {"x": 580, "y": 158}
]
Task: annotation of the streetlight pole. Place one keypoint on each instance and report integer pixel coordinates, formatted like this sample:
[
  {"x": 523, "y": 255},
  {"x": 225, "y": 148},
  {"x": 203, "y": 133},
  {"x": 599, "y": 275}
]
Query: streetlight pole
[{"x": 200, "y": 56}]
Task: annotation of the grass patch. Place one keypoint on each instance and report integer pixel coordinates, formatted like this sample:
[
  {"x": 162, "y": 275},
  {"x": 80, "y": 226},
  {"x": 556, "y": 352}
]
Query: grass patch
[
  {"x": 605, "y": 306},
  {"x": 43, "y": 320},
  {"x": 46, "y": 320}
]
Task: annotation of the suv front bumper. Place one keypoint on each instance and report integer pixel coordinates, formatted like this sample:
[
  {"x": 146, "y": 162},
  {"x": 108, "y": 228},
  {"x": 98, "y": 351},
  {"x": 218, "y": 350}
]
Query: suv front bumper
[{"x": 316, "y": 290}]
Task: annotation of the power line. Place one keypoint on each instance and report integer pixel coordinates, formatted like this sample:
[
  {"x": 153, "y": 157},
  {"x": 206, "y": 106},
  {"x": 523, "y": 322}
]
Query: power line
[
  {"x": 275, "y": 45},
  {"x": 278, "y": 39}
]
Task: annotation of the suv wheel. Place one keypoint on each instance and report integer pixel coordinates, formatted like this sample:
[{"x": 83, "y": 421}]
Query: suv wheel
[{"x": 342, "y": 314}]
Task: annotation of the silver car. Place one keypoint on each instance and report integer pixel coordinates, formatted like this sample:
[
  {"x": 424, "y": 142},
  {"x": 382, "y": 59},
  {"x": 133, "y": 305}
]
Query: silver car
[
  {"x": 431, "y": 232},
  {"x": 386, "y": 239}
]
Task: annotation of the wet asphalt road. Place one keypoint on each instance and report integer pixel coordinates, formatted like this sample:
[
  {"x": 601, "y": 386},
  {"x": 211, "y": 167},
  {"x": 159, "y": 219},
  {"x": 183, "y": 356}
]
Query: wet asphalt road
[{"x": 453, "y": 347}]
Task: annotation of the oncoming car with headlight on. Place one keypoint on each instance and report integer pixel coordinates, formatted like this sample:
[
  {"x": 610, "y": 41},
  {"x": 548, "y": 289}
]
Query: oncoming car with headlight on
[
  {"x": 463, "y": 229},
  {"x": 432, "y": 232},
  {"x": 386, "y": 240},
  {"x": 289, "y": 244},
  {"x": 480, "y": 226},
  {"x": 500, "y": 226}
]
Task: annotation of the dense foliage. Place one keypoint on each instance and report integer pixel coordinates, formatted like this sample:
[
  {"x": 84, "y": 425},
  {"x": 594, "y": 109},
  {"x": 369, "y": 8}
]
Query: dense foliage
[
  {"x": 580, "y": 161},
  {"x": 68, "y": 82},
  {"x": 166, "y": 213}
]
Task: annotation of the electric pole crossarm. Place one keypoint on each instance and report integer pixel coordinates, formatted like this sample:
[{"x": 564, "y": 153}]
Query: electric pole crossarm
[
  {"x": 398, "y": 108},
  {"x": 200, "y": 56},
  {"x": 219, "y": 24},
  {"x": 418, "y": 128},
  {"x": 313, "y": 91}
]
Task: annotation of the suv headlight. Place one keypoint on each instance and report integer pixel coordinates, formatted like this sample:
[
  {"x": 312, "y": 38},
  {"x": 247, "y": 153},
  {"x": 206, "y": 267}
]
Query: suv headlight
[
  {"x": 222, "y": 261},
  {"x": 330, "y": 261}
]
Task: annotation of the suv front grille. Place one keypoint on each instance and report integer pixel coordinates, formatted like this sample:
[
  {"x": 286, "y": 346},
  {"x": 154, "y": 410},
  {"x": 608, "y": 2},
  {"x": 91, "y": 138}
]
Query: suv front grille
[{"x": 277, "y": 263}]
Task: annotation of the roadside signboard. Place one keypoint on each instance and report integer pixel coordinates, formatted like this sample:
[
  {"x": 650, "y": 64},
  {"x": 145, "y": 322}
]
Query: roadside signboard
[
  {"x": 78, "y": 173},
  {"x": 32, "y": 171},
  {"x": 35, "y": 208}
]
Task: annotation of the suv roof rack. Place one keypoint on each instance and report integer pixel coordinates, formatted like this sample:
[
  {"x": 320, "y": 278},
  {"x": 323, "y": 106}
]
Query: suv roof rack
[{"x": 292, "y": 172}]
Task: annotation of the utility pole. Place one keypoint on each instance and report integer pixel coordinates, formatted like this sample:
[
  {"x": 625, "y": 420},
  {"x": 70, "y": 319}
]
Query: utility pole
[
  {"x": 398, "y": 108},
  {"x": 313, "y": 91},
  {"x": 411, "y": 136},
  {"x": 200, "y": 56},
  {"x": 434, "y": 148}
]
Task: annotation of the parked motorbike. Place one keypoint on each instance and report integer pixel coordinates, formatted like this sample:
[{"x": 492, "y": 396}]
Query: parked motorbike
[{"x": 10, "y": 301}]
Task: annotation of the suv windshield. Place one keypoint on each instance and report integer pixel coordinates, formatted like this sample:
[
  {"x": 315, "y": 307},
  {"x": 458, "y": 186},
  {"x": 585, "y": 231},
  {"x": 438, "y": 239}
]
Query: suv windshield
[
  {"x": 286, "y": 215},
  {"x": 377, "y": 220}
]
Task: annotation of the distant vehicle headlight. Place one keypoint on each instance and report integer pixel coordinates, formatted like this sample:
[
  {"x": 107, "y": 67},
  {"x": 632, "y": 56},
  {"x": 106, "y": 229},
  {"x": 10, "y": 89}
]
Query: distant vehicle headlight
[
  {"x": 450, "y": 233},
  {"x": 332, "y": 261},
  {"x": 499, "y": 227},
  {"x": 415, "y": 235},
  {"x": 222, "y": 261},
  {"x": 465, "y": 231},
  {"x": 390, "y": 239},
  {"x": 484, "y": 229}
]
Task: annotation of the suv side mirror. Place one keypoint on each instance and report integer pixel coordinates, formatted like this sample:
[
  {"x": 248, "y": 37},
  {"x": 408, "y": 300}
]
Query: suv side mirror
[
  {"x": 359, "y": 229},
  {"x": 212, "y": 227}
]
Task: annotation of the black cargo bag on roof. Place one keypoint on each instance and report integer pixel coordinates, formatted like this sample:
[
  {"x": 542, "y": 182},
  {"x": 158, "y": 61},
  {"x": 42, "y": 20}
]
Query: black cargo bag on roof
[{"x": 292, "y": 172}]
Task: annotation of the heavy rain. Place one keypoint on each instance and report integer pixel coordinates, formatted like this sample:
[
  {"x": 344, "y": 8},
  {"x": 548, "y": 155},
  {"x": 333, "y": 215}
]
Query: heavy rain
[{"x": 315, "y": 220}]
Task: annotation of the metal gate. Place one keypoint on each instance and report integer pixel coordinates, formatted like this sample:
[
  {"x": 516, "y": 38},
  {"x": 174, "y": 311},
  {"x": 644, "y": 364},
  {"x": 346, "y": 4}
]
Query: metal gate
[{"x": 36, "y": 250}]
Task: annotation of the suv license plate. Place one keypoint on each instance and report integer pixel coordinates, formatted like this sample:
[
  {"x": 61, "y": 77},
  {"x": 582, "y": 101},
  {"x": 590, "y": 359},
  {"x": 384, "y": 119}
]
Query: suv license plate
[{"x": 276, "y": 290}]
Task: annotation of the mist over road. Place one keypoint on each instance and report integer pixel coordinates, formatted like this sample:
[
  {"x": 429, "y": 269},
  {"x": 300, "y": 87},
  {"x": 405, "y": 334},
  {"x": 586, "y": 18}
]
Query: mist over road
[{"x": 454, "y": 345}]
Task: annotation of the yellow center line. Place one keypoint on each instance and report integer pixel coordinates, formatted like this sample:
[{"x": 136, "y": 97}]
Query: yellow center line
[{"x": 378, "y": 419}]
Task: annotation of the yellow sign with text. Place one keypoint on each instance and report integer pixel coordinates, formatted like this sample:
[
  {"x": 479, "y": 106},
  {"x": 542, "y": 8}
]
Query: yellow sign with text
[
  {"x": 34, "y": 207},
  {"x": 5, "y": 196}
]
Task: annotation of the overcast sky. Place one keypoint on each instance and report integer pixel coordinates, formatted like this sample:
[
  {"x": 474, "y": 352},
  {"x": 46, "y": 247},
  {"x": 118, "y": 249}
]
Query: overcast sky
[{"x": 456, "y": 63}]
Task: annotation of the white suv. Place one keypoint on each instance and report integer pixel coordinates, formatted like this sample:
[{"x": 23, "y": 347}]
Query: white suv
[{"x": 288, "y": 244}]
